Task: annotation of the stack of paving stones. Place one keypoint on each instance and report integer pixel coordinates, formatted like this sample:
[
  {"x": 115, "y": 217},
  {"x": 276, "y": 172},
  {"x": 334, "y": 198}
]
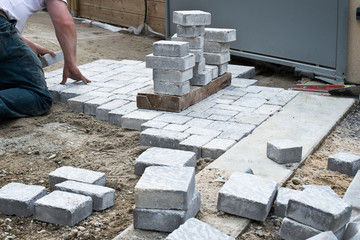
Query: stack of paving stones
[
  {"x": 217, "y": 47},
  {"x": 196, "y": 229},
  {"x": 172, "y": 67},
  {"x": 315, "y": 210},
  {"x": 164, "y": 157},
  {"x": 247, "y": 196},
  {"x": 284, "y": 151},
  {"x": 190, "y": 27},
  {"x": 165, "y": 197},
  {"x": 345, "y": 163},
  {"x": 77, "y": 192},
  {"x": 208, "y": 128}
]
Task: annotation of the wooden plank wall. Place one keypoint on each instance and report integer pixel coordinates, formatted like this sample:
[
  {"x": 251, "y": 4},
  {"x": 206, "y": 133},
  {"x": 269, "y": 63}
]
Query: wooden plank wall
[{"x": 124, "y": 13}]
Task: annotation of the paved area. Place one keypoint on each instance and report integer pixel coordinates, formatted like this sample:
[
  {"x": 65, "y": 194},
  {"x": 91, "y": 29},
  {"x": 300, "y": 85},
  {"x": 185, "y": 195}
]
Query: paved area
[{"x": 274, "y": 114}]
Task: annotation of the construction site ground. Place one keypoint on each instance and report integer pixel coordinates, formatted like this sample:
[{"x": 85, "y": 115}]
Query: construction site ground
[{"x": 31, "y": 148}]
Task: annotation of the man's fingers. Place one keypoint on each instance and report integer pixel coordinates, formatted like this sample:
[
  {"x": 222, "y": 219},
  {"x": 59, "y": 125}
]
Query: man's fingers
[
  {"x": 52, "y": 53},
  {"x": 63, "y": 80}
]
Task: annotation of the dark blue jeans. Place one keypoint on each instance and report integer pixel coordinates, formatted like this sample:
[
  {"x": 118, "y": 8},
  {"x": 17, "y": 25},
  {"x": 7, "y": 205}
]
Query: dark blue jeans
[{"x": 23, "y": 90}]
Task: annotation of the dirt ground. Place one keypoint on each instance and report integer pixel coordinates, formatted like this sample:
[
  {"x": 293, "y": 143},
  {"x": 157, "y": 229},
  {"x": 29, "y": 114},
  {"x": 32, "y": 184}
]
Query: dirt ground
[{"x": 31, "y": 148}]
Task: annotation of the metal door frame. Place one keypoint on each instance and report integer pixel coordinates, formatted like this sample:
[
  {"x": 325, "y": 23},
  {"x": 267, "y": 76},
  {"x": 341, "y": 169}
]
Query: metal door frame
[{"x": 330, "y": 75}]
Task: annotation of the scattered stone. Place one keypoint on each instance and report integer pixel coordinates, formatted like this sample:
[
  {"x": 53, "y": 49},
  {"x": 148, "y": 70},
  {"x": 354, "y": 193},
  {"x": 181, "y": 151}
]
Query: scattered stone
[
  {"x": 164, "y": 157},
  {"x": 103, "y": 197},
  {"x": 282, "y": 199},
  {"x": 352, "y": 195},
  {"x": 292, "y": 230},
  {"x": 166, "y": 220},
  {"x": 247, "y": 196},
  {"x": 165, "y": 188},
  {"x": 320, "y": 209},
  {"x": 352, "y": 231},
  {"x": 76, "y": 174},
  {"x": 63, "y": 208},
  {"x": 196, "y": 229},
  {"x": 18, "y": 199},
  {"x": 324, "y": 236},
  {"x": 344, "y": 163},
  {"x": 284, "y": 151}
]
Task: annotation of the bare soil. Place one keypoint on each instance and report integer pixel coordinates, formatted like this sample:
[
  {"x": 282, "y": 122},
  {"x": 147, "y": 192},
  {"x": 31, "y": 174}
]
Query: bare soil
[{"x": 31, "y": 148}]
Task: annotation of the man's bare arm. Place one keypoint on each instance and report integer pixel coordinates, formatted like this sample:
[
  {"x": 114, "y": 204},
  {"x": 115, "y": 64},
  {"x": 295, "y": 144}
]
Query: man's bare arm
[
  {"x": 66, "y": 34},
  {"x": 37, "y": 49}
]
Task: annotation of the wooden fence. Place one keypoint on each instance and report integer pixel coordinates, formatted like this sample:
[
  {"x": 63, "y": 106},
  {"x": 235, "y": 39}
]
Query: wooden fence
[{"x": 122, "y": 12}]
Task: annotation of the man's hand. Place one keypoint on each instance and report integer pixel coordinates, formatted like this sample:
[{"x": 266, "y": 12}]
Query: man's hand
[
  {"x": 73, "y": 72},
  {"x": 38, "y": 49}
]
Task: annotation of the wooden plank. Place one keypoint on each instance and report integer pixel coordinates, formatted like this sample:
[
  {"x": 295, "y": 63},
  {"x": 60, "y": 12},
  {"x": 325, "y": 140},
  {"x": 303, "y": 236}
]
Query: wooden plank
[
  {"x": 155, "y": 8},
  {"x": 150, "y": 100},
  {"x": 121, "y": 18}
]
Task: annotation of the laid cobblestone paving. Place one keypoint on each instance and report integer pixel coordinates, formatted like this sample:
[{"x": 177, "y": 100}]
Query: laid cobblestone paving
[{"x": 231, "y": 114}]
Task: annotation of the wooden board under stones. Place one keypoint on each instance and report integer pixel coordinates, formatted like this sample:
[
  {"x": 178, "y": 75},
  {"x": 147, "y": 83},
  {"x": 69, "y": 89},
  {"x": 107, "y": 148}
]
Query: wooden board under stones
[{"x": 150, "y": 100}]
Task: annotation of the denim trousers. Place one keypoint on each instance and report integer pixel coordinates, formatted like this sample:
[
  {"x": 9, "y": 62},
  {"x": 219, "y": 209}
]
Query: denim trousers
[{"x": 23, "y": 90}]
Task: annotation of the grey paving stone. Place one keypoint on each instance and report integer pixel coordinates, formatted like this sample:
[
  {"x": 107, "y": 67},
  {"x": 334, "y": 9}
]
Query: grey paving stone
[
  {"x": 190, "y": 31},
  {"x": 199, "y": 66},
  {"x": 18, "y": 199},
  {"x": 129, "y": 88},
  {"x": 247, "y": 195},
  {"x": 323, "y": 210},
  {"x": 194, "y": 42},
  {"x": 91, "y": 105},
  {"x": 192, "y": 18},
  {"x": 196, "y": 229},
  {"x": 102, "y": 111},
  {"x": 352, "y": 195},
  {"x": 164, "y": 157},
  {"x": 243, "y": 82},
  {"x": 161, "y": 138},
  {"x": 282, "y": 199},
  {"x": 292, "y": 230},
  {"x": 203, "y": 78},
  {"x": 222, "y": 68},
  {"x": 153, "y": 124},
  {"x": 203, "y": 131},
  {"x": 216, "y": 147},
  {"x": 176, "y": 127},
  {"x": 194, "y": 143},
  {"x": 324, "y": 236},
  {"x": 198, "y": 123},
  {"x": 216, "y": 47},
  {"x": 170, "y": 63},
  {"x": 220, "y": 35},
  {"x": 214, "y": 70},
  {"x": 173, "y": 118},
  {"x": 352, "y": 231},
  {"x": 237, "y": 133},
  {"x": 162, "y": 187},
  {"x": 76, "y": 104},
  {"x": 284, "y": 151},
  {"x": 234, "y": 108},
  {"x": 241, "y": 71},
  {"x": 282, "y": 98},
  {"x": 134, "y": 119},
  {"x": 202, "y": 106},
  {"x": 172, "y": 88},
  {"x": 250, "y": 102},
  {"x": 250, "y": 118},
  {"x": 76, "y": 174},
  {"x": 116, "y": 115},
  {"x": 63, "y": 208},
  {"x": 170, "y": 48},
  {"x": 219, "y": 117},
  {"x": 75, "y": 91},
  {"x": 172, "y": 76},
  {"x": 102, "y": 197},
  {"x": 268, "y": 109},
  {"x": 55, "y": 90},
  {"x": 343, "y": 162},
  {"x": 216, "y": 58},
  {"x": 198, "y": 53},
  {"x": 166, "y": 220}
]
